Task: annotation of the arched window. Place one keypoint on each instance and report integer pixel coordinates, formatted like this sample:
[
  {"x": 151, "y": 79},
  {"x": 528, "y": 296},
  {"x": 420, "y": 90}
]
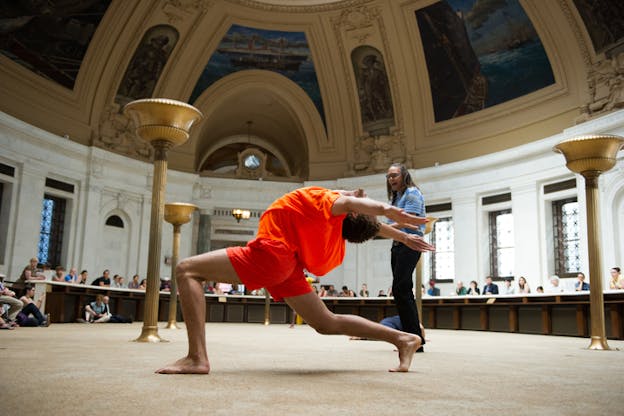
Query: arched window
[{"x": 115, "y": 221}]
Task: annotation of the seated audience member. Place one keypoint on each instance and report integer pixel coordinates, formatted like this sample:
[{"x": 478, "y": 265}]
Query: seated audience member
[
  {"x": 208, "y": 288},
  {"x": 331, "y": 291},
  {"x": 143, "y": 284},
  {"x": 59, "y": 274},
  {"x": 555, "y": 286},
  {"x": 346, "y": 293},
  {"x": 539, "y": 289},
  {"x": 165, "y": 285},
  {"x": 118, "y": 282},
  {"x": 258, "y": 292},
  {"x": 364, "y": 291},
  {"x": 32, "y": 307},
  {"x": 134, "y": 283},
  {"x": 223, "y": 288},
  {"x": 381, "y": 294},
  {"x": 523, "y": 286},
  {"x": 460, "y": 290},
  {"x": 473, "y": 289},
  {"x": 30, "y": 272},
  {"x": 82, "y": 277},
  {"x": 97, "y": 311},
  {"x": 617, "y": 281},
  {"x": 322, "y": 292},
  {"x": 580, "y": 283},
  {"x": 433, "y": 290},
  {"x": 103, "y": 280},
  {"x": 235, "y": 290},
  {"x": 114, "y": 318},
  {"x": 72, "y": 276},
  {"x": 508, "y": 289},
  {"x": 7, "y": 297},
  {"x": 490, "y": 288}
]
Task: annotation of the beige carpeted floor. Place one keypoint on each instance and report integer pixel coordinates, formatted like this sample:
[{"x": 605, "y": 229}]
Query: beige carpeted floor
[{"x": 80, "y": 369}]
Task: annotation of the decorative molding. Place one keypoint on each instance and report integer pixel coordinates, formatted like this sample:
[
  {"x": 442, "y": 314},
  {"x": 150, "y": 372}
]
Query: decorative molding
[
  {"x": 179, "y": 10},
  {"x": 374, "y": 154},
  {"x": 606, "y": 88},
  {"x": 361, "y": 22},
  {"x": 116, "y": 133},
  {"x": 201, "y": 191},
  {"x": 578, "y": 33},
  {"x": 299, "y": 9}
]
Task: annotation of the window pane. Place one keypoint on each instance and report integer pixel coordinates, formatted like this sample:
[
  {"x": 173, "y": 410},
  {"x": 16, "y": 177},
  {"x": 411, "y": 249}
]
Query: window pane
[
  {"x": 504, "y": 230},
  {"x": 442, "y": 265},
  {"x": 46, "y": 227}
]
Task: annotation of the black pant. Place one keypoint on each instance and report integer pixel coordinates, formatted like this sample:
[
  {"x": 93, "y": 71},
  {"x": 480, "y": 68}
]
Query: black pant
[
  {"x": 29, "y": 309},
  {"x": 403, "y": 261}
]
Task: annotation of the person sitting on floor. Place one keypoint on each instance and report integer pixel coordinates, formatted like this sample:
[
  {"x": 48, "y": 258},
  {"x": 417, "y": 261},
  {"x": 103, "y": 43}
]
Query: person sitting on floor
[
  {"x": 97, "y": 311},
  {"x": 32, "y": 307}
]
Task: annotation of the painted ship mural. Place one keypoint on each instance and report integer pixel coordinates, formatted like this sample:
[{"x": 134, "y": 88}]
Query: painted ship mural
[{"x": 263, "y": 53}]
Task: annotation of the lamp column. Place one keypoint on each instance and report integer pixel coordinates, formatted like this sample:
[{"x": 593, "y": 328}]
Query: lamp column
[
  {"x": 176, "y": 214},
  {"x": 164, "y": 124},
  {"x": 590, "y": 156},
  {"x": 419, "y": 273}
]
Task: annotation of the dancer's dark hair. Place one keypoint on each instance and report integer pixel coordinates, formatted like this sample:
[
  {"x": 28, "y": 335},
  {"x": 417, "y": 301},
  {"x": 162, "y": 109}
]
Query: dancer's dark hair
[{"x": 357, "y": 228}]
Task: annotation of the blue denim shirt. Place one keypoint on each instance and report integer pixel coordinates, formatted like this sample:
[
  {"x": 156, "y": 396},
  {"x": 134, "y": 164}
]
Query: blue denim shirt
[{"x": 412, "y": 201}]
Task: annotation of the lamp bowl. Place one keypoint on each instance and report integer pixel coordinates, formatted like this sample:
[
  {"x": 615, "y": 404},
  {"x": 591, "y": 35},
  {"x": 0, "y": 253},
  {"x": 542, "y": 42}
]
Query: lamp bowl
[
  {"x": 429, "y": 225},
  {"x": 595, "y": 153},
  {"x": 178, "y": 213},
  {"x": 162, "y": 119}
]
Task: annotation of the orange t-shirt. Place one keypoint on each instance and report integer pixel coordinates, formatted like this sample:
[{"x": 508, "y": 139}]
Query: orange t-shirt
[{"x": 302, "y": 220}]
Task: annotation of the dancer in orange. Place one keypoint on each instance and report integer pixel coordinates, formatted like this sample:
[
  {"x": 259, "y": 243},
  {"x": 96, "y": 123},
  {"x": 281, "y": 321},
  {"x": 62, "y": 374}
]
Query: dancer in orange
[{"x": 304, "y": 229}]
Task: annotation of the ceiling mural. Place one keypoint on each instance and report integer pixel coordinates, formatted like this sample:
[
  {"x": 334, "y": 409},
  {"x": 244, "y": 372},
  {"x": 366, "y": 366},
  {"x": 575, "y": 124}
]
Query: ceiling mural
[
  {"x": 243, "y": 48},
  {"x": 604, "y": 21},
  {"x": 147, "y": 64},
  {"x": 480, "y": 53},
  {"x": 50, "y": 38},
  {"x": 374, "y": 93}
]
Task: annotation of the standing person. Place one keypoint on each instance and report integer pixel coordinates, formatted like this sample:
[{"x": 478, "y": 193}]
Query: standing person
[
  {"x": 304, "y": 229},
  {"x": 403, "y": 194}
]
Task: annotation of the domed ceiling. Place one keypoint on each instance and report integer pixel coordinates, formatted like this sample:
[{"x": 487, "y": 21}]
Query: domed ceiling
[{"x": 314, "y": 89}]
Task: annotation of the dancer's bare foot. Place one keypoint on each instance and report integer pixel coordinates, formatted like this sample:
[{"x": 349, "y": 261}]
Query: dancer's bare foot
[
  {"x": 186, "y": 365},
  {"x": 408, "y": 345}
]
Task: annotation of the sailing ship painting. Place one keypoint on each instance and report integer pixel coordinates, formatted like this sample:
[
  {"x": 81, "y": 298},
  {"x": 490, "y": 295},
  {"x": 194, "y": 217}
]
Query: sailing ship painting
[
  {"x": 480, "y": 54},
  {"x": 246, "y": 48},
  {"x": 254, "y": 51}
]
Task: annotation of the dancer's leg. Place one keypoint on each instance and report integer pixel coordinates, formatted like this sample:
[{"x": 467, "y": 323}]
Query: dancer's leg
[
  {"x": 312, "y": 309},
  {"x": 190, "y": 273}
]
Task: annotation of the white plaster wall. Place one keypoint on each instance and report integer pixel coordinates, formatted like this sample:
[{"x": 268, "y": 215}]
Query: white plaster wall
[{"x": 107, "y": 183}]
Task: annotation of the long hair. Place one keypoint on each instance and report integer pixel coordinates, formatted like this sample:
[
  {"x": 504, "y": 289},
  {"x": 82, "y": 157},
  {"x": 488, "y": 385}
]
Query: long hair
[
  {"x": 407, "y": 181},
  {"x": 357, "y": 228}
]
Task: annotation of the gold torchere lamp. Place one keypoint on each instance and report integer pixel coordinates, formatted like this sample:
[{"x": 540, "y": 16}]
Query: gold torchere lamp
[
  {"x": 590, "y": 156},
  {"x": 176, "y": 214},
  {"x": 419, "y": 273},
  {"x": 164, "y": 124}
]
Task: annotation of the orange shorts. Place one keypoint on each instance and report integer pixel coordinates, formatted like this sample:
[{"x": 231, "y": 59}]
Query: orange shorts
[{"x": 269, "y": 264}]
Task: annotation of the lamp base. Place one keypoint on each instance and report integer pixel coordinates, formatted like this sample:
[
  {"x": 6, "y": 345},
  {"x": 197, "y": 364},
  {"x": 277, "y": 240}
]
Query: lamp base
[
  {"x": 150, "y": 334},
  {"x": 598, "y": 343},
  {"x": 172, "y": 325}
]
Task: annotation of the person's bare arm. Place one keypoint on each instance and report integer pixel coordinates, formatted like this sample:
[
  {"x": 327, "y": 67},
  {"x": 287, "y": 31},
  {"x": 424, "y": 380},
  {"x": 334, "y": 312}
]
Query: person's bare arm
[
  {"x": 345, "y": 204},
  {"x": 413, "y": 241}
]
